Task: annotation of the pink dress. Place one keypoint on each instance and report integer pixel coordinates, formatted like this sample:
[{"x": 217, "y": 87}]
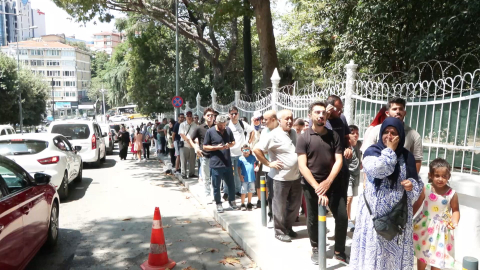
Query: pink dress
[{"x": 138, "y": 142}]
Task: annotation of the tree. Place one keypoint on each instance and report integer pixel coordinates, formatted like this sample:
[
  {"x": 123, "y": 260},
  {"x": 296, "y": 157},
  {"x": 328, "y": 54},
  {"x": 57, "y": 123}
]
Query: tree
[
  {"x": 79, "y": 45},
  {"x": 33, "y": 91},
  {"x": 99, "y": 63}
]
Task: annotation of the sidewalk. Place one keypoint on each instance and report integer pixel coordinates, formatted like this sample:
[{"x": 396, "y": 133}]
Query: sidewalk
[{"x": 259, "y": 243}]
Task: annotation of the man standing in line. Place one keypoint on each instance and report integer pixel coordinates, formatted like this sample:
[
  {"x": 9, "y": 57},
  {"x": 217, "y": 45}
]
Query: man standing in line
[
  {"x": 270, "y": 121},
  {"x": 283, "y": 164},
  {"x": 196, "y": 140},
  {"x": 241, "y": 131},
  {"x": 187, "y": 152},
  {"x": 218, "y": 141},
  {"x": 320, "y": 159},
  {"x": 163, "y": 141},
  {"x": 196, "y": 119},
  {"x": 176, "y": 139}
]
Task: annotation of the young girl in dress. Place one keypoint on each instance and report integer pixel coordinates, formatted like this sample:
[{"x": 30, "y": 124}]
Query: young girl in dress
[{"x": 433, "y": 228}]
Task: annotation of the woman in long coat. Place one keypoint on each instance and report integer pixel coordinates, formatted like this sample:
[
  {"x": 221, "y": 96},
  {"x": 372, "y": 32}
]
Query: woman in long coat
[
  {"x": 123, "y": 141},
  {"x": 390, "y": 169}
]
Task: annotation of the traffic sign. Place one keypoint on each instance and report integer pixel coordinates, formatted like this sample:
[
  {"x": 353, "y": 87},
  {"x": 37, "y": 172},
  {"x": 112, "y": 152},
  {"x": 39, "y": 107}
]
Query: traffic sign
[{"x": 177, "y": 102}]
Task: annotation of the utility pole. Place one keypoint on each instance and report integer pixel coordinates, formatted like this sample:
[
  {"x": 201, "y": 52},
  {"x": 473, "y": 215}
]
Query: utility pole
[
  {"x": 177, "y": 92},
  {"x": 18, "y": 84},
  {"x": 53, "y": 101},
  {"x": 103, "y": 97}
]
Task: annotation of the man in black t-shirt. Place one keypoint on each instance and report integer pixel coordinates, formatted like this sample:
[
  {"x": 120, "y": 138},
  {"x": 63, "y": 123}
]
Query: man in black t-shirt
[
  {"x": 218, "y": 141},
  {"x": 320, "y": 161},
  {"x": 196, "y": 140}
]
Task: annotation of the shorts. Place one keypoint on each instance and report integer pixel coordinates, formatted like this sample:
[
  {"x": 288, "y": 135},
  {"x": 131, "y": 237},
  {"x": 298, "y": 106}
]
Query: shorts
[
  {"x": 247, "y": 187},
  {"x": 353, "y": 182},
  {"x": 177, "y": 151}
]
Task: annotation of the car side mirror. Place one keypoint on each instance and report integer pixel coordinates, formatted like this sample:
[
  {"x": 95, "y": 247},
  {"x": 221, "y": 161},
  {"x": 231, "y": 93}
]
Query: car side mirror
[
  {"x": 104, "y": 134},
  {"x": 78, "y": 148},
  {"x": 42, "y": 179}
]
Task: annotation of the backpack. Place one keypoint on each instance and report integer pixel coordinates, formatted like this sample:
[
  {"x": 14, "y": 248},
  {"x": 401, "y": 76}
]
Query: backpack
[{"x": 243, "y": 128}]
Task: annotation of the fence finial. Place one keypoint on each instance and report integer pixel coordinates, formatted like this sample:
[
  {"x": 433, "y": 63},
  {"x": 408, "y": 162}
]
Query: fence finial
[
  {"x": 213, "y": 92},
  {"x": 351, "y": 69},
  {"x": 275, "y": 84},
  {"x": 214, "y": 98},
  {"x": 199, "y": 98},
  {"x": 275, "y": 77},
  {"x": 237, "y": 97}
]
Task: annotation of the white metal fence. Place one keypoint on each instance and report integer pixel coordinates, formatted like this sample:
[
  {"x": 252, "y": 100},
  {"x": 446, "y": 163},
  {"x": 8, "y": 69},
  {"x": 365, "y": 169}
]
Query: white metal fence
[{"x": 443, "y": 108}]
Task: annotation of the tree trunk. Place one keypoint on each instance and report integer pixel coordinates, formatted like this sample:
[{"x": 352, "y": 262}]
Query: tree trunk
[
  {"x": 268, "y": 51},
  {"x": 247, "y": 51}
]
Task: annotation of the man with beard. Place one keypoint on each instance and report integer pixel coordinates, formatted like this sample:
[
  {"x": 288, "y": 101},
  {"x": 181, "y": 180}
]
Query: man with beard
[
  {"x": 320, "y": 159},
  {"x": 283, "y": 165},
  {"x": 218, "y": 141}
]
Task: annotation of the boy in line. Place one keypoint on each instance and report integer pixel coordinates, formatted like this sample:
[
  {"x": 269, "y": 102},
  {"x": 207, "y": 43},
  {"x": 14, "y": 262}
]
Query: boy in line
[
  {"x": 246, "y": 172},
  {"x": 354, "y": 166}
]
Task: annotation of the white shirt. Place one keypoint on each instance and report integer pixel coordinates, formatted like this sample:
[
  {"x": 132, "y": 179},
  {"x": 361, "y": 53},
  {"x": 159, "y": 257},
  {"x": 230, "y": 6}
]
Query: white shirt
[
  {"x": 239, "y": 135},
  {"x": 187, "y": 130},
  {"x": 281, "y": 146}
]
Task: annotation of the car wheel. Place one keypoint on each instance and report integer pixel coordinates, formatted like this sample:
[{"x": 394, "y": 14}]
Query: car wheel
[
  {"x": 52, "y": 236},
  {"x": 79, "y": 177},
  {"x": 63, "y": 190}
]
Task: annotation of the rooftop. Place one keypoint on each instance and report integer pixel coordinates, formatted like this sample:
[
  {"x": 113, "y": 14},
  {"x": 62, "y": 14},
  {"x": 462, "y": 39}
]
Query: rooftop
[
  {"x": 41, "y": 44},
  {"x": 107, "y": 33}
]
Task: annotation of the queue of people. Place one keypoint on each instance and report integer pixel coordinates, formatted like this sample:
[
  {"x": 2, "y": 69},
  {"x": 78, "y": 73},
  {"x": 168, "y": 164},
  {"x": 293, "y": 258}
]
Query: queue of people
[{"x": 319, "y": 161}]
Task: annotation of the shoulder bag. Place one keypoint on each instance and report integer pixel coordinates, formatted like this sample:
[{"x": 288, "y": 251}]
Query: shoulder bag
[{"x": 394, "y": 222}]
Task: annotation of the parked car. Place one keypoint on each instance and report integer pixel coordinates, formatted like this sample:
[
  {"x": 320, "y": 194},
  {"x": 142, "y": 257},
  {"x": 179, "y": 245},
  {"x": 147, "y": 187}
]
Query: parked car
[
  {"x": 28, "y": 214},
  {"x": 116, "y": 128},
  {"x": 110, "y": 142},
  {"x": 118, "y": 118},
  {"x": 86, "y": 134},
  {"x": 6, "y": 130},
  {"x": 47, "y": 153}
]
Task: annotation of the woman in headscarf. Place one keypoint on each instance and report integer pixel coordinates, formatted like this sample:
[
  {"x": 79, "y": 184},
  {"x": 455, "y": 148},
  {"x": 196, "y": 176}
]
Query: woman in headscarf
[
  {"x": 147, "y": 136},
  {"x": 123, "y": 141},
  {"x": 390, "y": 169}
]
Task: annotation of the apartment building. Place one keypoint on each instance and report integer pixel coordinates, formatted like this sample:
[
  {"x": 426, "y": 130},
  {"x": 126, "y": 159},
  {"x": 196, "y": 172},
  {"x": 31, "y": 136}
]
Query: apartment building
[
  {"x": 106, "y": 41},
  {"x": 16, "y": 17},
  {"x": 65, "y": 65}
]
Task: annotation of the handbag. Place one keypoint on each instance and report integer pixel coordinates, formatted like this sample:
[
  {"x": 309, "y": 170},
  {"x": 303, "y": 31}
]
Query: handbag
[{"x": 394, "y": 222}]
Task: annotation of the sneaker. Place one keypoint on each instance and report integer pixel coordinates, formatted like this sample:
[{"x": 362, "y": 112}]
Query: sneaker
[
  {"x": 225, "y": 196},
  {"x": 249, "y": 206},
  {"x": 184, "y": 177},
  {"x": 341, "y": 257},
  {"x": 292, "y": 234},
  {"x": 283, "y": 238},
  {"x": 233, "y": 205},
  {"x": 243, "y": 207},
  {"x": 351, "y": 226},
  {"x": 314, "y": 256},
  {"x": 219, "y": 208},
  {"x": 258, "y": 205},
  {"x": 270, "y": 223}
]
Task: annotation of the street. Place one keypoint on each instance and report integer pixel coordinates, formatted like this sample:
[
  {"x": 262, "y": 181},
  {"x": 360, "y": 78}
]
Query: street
[{"x": 106, "y": 222}]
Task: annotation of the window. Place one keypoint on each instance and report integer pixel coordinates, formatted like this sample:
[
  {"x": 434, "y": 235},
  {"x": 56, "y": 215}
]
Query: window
[
  {"x": 69, "y": 83},
  {"x": 25, "y": 62},
  {"x": 53, "y": 63},
  {"x": 53, "y": 73},
  {"x": 75, "y": 131},
  {"x": 23, "y": 147},
  {"x": 23, "y": 52},
  {"x": 109, "y": 43},
  {"x": 39, "y": 72},
  {"x": 53, "y": 53},
  {"x": 56, "y": 83},
  {"x": 36, "y": 52},
  {"x": 14, "y": 177},
  {"x": 68, "y": 53},
  {"x": 68, "y": 63},
  {"x": 37, "y": 63},
  {"x": 61, "y": 144},
  {"x": 69, "y": 73}
]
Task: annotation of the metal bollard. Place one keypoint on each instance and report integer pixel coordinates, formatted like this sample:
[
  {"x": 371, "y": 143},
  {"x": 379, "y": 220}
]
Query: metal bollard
[
  {"x": 322, "y": 237},
  {"x": 470, "y": 263},
  {"x": 263, "y": 197}
]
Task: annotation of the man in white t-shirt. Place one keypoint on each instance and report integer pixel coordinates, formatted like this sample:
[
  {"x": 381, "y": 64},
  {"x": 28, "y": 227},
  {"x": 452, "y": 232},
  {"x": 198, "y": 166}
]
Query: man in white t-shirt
[
  {"x": 281, "y": 145},
  {"x": 243, "y": 134},
  {"x": 187, "y": 152}
]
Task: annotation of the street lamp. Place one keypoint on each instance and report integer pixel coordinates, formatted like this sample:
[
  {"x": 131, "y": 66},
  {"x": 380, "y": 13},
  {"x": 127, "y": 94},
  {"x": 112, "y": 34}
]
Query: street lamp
[
  {"x": 53, "y": 101},
  {"x": 18, "y": 72}
]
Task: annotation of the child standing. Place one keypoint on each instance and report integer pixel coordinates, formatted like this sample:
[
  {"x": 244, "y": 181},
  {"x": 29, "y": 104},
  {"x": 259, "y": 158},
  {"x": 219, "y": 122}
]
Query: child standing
[
  {"x": 354, "y": 166},
  {"x": 247, "y": 176},
  {"x": 433, "y": 228}
]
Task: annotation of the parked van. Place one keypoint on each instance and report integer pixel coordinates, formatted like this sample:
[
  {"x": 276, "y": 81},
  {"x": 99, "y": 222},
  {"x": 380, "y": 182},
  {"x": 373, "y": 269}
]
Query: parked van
[{"x": 6, "y": 130}]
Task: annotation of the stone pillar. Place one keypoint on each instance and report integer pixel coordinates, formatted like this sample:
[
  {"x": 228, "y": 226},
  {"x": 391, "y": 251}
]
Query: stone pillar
[
  {"x": 275, "y": 85},
  {"x": 348, "y": 107}
]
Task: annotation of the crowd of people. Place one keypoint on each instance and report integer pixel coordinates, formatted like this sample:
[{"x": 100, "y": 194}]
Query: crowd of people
[{"x": 319, "y": 160}]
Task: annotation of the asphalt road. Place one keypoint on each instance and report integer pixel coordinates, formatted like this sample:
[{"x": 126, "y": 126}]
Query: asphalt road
[{"x": 106, "y": 222}]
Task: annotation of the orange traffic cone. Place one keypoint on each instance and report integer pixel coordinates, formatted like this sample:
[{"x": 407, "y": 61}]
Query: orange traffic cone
[{"x": 158, "y": 257}]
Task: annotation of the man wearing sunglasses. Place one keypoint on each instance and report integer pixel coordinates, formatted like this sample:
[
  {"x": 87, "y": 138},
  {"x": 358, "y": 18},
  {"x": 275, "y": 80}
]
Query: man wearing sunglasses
[
  {"x": 243, "y": 134},
  {"x": 187, "y": 152}
]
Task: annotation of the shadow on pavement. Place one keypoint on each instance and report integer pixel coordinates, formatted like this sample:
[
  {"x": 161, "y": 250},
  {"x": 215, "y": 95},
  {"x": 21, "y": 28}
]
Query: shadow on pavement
[
  {"x": 77, "y": 190},
  {"x": 109, "y": 163}
]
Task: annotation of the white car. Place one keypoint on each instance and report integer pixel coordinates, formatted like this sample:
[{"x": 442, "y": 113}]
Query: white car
[
  {"x": 86, "y": 134},
  {"x": 118, "y": 118},
  {"x": 6, "y": 130},
  {"x": 46, "y": 153}
]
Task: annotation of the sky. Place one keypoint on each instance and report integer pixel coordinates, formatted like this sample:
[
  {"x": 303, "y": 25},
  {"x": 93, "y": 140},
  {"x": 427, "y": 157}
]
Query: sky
[{"x": 57, "y": 21}]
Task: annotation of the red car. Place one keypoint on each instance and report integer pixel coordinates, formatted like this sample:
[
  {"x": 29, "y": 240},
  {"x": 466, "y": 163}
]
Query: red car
[{"x": 29, "y": 210}]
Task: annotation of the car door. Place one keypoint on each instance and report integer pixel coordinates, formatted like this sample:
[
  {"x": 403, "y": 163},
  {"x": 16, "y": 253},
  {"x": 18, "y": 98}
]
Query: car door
[
  {"x": 11, "y": 226},
  {"x": 32, "y": 204},
  {"x": 101, "y": 140},
  {"x": 62, "y": 146},
  {"x": 76, "y": 159}
]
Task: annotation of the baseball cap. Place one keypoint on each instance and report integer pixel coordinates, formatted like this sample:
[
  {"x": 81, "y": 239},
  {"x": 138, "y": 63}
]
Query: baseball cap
[{"x": 257, "y": 115}]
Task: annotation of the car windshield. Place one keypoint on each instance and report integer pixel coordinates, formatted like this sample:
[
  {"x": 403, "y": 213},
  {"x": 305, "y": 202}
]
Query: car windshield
[
  {"x": 72, "y": 131},
  {"x": 22, "y": 147}
]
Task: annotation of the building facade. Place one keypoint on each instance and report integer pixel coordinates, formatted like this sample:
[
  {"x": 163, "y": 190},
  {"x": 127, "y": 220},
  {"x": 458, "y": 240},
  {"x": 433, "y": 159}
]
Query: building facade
[
  {"x": 67, "y": 67},
  {"x": 39, "y": 21},
  {"x": 106, "y": 41},
  {"x": 16, "y": 17}
]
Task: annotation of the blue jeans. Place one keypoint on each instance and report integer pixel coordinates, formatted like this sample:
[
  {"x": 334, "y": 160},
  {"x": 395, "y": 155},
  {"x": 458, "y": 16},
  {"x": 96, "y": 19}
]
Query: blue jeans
[
  {"x": 236, "y": 178},
  {"x": 219, "y": 174}
]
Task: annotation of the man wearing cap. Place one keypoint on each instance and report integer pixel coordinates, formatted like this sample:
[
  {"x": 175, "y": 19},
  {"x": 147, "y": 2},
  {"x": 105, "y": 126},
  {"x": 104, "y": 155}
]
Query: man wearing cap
[
  {"x": 187, "y": 152},
  {"x": 218, "y": 141}
]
